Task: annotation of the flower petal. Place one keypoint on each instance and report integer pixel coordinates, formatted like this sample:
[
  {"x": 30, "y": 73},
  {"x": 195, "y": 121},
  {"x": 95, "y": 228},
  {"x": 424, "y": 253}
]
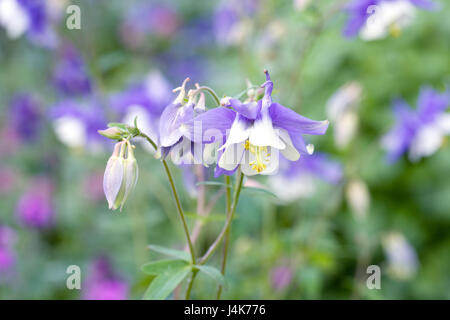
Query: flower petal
[
  {"x": 294, "y": 123},
  {"x": 290, "y": 152},
  {"x": 262, "y": 132},
  {"x": 232, "y": 156},
  {"x": 249, "y": 110},
  {"x": 239, "y": 132},
  {"x": 201, "y": 129}
]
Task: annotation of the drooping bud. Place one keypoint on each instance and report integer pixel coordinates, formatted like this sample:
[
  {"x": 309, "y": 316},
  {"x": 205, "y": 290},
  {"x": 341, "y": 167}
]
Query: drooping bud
[
  {"x": 113, "y": 177},
  {"x": 111, "y": 133},
  {"x": 120, "y": 175},
  {"x": 131, "y": 172}
]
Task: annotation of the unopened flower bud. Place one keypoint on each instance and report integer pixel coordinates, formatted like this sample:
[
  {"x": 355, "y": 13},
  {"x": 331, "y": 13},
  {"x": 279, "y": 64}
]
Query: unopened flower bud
[
  {"x": 120, "y": 175},
  {"x": 111, "y": 133}
]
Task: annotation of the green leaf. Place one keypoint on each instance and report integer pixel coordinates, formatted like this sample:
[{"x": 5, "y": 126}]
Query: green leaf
[
  {"x": 161, "y": 266},
  {"x": 263, "y": 190},
  {"x": 214, "y": 273},
  {"x": 165, "y": 283},
  {"x": 183, "y": 255},
  {"x": 212, "y": 183}
]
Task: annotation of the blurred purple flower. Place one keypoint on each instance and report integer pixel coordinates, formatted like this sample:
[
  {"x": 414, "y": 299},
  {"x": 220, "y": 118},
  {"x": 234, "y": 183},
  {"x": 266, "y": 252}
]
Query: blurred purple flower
[
  {"x": 281, "y": 277},
  {"x": 148, "y": 19},
  {"x": 229, "y": 20},
  {"x": 360, "y": 10},
  {"x": 102, "y": 284},
  {"x": 35, "y": 207},
  {"x": 28, "y": 16},
  {"x": 25, "y": 116},
  {"x": 297, "y": 179},
  {"x": 418, "y": 131},
  {"x": 76, "y": 123},
  {"x": 69, "y": 74}
]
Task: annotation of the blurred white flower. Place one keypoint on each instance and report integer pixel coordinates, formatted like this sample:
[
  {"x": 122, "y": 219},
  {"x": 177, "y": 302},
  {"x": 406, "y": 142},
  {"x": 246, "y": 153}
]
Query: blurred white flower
[
  {"x": 358, "y": 198},
  {"x": 342, "y": 112},
  {"x": 13, "y": 18},
  {"x": 401, "y": 256},
  {"x": 389, "y": 17},
  {"x": 429, "y": 138},
  {"x": 71, "y": 131}
]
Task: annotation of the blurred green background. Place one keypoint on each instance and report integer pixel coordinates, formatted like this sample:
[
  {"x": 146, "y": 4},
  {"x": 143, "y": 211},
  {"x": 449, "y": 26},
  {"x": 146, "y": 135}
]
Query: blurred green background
[{"x": 315, "y": 247}]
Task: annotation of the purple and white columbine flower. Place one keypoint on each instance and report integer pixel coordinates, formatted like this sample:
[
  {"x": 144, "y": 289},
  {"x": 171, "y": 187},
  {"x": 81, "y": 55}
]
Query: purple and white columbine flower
[
  {"x": 374, "y": 19},
  {"x": 28, "y": 16},
  {"x": 420, "y": 131},
  {"x": 258, "y": 130},
  {"x": 174, "y": 134},
  {"x": 298, "y": 179}
]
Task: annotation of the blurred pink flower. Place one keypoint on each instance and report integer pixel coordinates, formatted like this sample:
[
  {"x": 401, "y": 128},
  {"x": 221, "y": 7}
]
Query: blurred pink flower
[{"x": 281, "y": 277}]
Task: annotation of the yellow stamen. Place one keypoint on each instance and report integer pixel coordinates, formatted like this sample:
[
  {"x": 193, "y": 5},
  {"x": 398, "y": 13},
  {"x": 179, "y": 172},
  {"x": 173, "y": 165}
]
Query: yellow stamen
[{"x": 259, "y": 164}]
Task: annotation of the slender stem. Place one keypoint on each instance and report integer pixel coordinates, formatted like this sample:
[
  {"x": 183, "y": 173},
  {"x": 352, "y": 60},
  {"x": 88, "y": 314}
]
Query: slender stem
[
  {"x": 191, "y": 284},
  {"x": 216, "y": 243},
  {"x": 180, "y": 211},
  {"x": 227, "y": 235},
  {"x": 176, "y": 198}
]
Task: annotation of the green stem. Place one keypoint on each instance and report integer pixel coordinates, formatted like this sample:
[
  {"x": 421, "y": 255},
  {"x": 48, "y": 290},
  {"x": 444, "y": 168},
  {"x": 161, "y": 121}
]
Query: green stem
[
  {"x": 191, "y": 284},
  {"x": 211, "y": 92},
  {"x": 216, "y": 243},
  {"x": 176, "y": 198},
  {"x": 227, "y": 235}
]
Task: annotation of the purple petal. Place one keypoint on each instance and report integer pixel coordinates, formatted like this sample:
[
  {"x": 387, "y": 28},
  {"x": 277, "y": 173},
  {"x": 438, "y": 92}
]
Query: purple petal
[
  {"x": 217, "y": 120},
  {"x": 249, "y": 110},
  {"x": 294, "y": 123}
]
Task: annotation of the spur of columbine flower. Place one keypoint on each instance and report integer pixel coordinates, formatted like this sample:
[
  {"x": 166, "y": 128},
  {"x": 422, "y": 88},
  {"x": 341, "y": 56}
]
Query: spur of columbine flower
[
  {"x": 173, "y": 132},
  {"x": 420, "y": 132},
  {"x": 254, "y": 133},
  {"x": 121, "y": 175}
]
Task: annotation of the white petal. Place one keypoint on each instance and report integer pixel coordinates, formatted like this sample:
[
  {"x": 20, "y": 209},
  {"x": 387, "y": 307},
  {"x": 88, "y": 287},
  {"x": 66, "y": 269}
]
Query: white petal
[
  {"x": 289, "y": 152},
  {"x": 443, "y": 122},
  {"x": 232, "y": 156},
  {"x": 13, "y": 18},
  {"x": 426, "y": 142},
  {"x": 238, "y": 133},
  {"x": 262, "y": 133},
  {"x": 112, "y": 179}
]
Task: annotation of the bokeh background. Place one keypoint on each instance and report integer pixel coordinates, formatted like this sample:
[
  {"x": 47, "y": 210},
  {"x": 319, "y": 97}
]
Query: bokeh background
[{"x": 311, "y": 236}]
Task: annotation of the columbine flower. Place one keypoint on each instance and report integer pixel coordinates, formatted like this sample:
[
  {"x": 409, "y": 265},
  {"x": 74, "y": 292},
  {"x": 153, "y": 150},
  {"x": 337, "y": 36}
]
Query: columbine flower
[
  {"x": 374, "y": 19},
  {"x": 258, "y": 130},
  {"x": 298, "y": 179},
  {"x": 35, "y": 208},
  {"x": 27, "y": 16},
  {"x": 402, "y": 258},
  {"x": 103, "y": 284},
  {"x": 420, "y": 131},
  {"x": 174, "y": 132},
  {"x": 120, "y": 176},
  {"x": 342, "y": 113},
  {"x": 70, "y": 75}
]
